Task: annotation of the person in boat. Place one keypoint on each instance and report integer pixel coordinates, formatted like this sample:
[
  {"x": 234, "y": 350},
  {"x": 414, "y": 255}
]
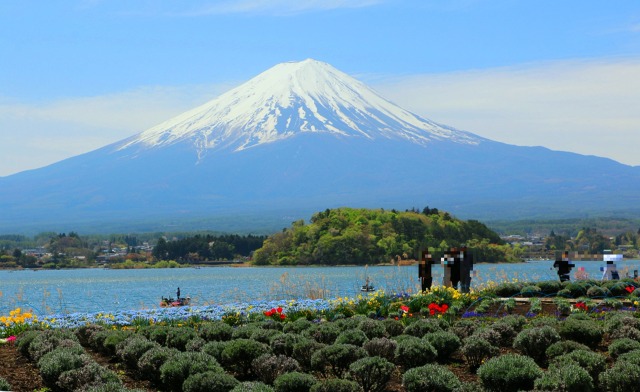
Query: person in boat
[
  {"x": 178, "y": 294},
  {"x": 367, "y": 286}
]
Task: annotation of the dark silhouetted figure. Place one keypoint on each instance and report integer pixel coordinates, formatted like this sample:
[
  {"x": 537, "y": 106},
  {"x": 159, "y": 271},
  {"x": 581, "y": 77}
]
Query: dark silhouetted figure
[
  {"x": 424, "y": 270},
  {"x": 458, "y": 265},
  {"x": 564, "y": 266}
]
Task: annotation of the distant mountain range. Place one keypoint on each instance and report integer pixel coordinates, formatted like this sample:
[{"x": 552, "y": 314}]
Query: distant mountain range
[{"x": 298, "y": 138}]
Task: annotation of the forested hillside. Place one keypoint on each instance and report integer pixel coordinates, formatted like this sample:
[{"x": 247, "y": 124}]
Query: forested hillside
[
  {"x": 364, "y": 236},
  {"x": 207, "y": 247},
  {"x": 608, "y": 226}
]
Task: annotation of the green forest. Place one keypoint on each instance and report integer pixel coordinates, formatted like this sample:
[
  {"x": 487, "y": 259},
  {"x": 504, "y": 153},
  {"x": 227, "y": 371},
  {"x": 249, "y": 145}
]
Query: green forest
[
  {"x": 207, "y": 247},
  {"x": 373, "y": 236}
]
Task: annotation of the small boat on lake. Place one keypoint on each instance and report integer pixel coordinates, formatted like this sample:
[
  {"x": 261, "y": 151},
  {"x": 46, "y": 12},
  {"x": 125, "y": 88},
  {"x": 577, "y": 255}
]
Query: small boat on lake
[
  {"x": 367, "y": 286},
  {"x": 172, "y": 303}
]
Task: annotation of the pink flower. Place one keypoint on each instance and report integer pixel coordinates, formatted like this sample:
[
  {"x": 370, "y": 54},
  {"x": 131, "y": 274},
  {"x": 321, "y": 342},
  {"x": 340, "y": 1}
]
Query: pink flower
[
  {"x": 404, "y": 308},
  {"x": 7, "y": 340}
]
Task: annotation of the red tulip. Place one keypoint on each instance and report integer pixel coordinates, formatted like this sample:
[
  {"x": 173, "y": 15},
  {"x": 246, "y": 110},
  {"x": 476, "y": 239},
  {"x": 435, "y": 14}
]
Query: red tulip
[{"x": 435, "y": 308}]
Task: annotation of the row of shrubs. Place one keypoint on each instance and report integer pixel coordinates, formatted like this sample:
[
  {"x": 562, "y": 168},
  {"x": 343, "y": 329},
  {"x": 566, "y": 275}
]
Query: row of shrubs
[
  {"x": 569, "y": 289},
  {"x": 64, "y": 364},
  {"x": 351, "y": 354},
  {"x": 566, "y": 348}
]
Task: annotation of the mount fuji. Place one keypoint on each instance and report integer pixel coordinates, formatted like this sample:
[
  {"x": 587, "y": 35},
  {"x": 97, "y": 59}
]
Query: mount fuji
[
  {"x": 291, "y": 99},
  {"x": 301, "y": 137}
]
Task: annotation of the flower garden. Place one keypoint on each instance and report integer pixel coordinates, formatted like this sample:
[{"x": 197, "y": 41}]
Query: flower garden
[{"x": 542, "y": 336}]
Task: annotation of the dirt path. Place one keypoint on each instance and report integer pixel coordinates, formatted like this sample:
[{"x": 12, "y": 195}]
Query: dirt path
[
  {"x": 21, "y": 374},
  {"x": 129, "y": 379}
]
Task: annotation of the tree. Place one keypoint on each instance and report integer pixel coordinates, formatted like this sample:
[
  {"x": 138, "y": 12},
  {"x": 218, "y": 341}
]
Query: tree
[{"x": 160, "y": 251}]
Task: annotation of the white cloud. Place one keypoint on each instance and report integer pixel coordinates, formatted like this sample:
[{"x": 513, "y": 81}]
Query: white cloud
[
  {"x": 203, "y": 8},
  {"x": 280, "y": 7},
  {"x": 589, "y": 107},
  {"x": 35, "y": 135}
]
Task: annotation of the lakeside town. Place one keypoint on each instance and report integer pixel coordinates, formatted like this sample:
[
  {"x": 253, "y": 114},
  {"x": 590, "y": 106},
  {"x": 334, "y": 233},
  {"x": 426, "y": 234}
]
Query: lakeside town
[{"x": 126, "y": 251}]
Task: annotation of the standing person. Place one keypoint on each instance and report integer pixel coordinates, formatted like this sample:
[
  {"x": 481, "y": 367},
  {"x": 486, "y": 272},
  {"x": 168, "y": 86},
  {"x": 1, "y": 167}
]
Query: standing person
[
  {"x": 178, "y": 293},
  {"x": 466, "y": 266},
  {"x": 564, "y": 266},
  {"x": 609, "y": 271},
  {"x": 424, "y": 270}
]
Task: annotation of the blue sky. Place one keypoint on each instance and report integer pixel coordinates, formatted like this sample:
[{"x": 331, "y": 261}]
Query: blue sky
[{"x": 80, "y": 74}]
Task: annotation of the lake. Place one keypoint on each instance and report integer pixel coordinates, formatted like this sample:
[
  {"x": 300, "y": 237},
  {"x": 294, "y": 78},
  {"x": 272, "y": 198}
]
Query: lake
[{"x": 104, "y": 290}]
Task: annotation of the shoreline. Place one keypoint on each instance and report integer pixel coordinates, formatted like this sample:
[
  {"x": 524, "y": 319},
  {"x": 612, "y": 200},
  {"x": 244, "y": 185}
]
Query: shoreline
[{"x": 246, "y": 264}]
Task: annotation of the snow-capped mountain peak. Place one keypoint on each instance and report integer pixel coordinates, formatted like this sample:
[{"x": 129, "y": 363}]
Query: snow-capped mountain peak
[{"x": 292, "y": 98}]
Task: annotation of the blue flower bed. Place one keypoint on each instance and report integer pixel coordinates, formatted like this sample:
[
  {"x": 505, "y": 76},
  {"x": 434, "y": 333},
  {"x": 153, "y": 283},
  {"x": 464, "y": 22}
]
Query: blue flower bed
[{"x": 215, "y": 312}]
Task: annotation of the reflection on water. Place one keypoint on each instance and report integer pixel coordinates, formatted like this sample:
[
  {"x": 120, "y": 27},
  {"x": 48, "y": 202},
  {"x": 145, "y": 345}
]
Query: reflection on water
[{"x": 100, "y": 290}]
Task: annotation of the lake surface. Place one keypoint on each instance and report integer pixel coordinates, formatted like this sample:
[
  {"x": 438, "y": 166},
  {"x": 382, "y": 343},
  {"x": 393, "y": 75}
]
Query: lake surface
[{"x": 103, "y": 290}]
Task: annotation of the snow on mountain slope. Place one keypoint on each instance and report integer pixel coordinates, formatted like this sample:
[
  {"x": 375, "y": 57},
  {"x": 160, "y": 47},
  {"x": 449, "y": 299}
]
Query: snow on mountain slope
[
  {"x": 288, "y": 99},
  {"x": 308, "y": 138}
]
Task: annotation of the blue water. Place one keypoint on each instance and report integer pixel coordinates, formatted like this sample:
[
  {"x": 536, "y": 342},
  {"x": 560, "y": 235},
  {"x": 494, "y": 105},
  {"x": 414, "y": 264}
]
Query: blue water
[{"x": 101, "y": 290}]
